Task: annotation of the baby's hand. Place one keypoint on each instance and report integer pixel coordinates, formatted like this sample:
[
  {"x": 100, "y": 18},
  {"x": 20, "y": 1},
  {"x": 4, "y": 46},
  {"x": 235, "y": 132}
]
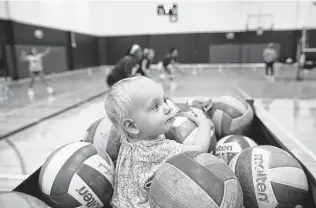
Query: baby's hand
[
  {"x": 198, "y": 117},
  {"x": 202, "y": 139},
  {"x": 202, "y": 104}
]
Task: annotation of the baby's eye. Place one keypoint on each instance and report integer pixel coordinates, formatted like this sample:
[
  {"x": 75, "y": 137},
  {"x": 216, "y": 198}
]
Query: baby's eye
[{"x": 155, "y": 107}]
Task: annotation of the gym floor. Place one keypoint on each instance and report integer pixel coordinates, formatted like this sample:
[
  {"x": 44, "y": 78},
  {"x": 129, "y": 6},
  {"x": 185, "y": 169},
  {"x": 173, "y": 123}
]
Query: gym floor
[{"x": 32, "y": 130}]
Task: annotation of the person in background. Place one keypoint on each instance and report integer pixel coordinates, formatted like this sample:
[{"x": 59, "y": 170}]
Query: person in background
[
  {"x": 270, "y": 56},
  {"x": 301, "y": 58},
  {"x": 36, "y": 68},
  {"x": 126, "y": 67},
  {"x": 167, "y": 66},
  {"x": 145, "y": 62}
]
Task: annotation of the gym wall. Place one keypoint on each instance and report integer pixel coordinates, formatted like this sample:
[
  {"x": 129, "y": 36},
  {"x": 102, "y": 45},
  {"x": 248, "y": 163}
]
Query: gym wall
[
  {"x": 200, "y": 26},
  {"x": 103, "y": 30},
  {"x": 56, "y": 20},
  {"x": 7, "y": 63}
]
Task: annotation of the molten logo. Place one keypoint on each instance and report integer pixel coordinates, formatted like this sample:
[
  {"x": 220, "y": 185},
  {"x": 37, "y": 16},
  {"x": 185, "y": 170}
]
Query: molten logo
[
  {"x": 224, "y": 148},
  {"x": 88, "y": 198},
  {"x": 261, "y": 177}
]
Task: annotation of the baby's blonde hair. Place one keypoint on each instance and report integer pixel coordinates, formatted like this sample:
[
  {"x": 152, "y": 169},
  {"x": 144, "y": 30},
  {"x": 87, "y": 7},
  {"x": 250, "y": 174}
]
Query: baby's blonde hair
[{"x": 118, "y": 103}]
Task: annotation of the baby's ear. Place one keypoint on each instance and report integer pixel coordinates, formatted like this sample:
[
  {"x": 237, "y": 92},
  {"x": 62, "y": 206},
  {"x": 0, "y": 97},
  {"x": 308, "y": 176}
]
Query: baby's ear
[{"x": 129, "y": 126}]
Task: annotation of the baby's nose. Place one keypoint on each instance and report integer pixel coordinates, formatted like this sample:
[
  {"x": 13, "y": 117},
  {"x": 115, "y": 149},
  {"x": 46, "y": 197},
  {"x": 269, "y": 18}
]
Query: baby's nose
[{"x": 167, "y": 109}]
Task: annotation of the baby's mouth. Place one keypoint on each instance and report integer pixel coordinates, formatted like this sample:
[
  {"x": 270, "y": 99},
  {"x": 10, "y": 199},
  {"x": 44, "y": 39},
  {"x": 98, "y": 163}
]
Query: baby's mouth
[{"x": 170, "y": 120}]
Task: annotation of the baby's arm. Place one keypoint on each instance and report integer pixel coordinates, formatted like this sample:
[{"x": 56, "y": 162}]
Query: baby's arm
[{"x": 202, "y": 140}]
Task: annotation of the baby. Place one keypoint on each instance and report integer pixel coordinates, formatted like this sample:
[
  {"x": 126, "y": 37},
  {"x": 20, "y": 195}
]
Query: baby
[{"x": 137, "y": 107}]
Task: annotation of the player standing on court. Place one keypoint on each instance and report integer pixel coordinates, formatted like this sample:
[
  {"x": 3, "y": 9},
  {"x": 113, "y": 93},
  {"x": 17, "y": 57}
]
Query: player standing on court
[
  {"x": 126, "y": 67},
  {"x": 270, "y": 56},
  {"x": 36, "y": 68},
  {"x": 300, "y": 58}
]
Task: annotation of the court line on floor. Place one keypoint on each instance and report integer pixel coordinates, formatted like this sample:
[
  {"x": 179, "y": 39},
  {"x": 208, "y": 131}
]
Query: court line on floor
[
  {"x": 64, "y": 95},
  {"x": 255, "y": 70},
  {"x": 280, "y": 71},
  {"x": 242, "y": 92},
  {"x": 18, "y": 154},
  {"x": 58, "y": 112},
  {"x": 60, "y": 74}
]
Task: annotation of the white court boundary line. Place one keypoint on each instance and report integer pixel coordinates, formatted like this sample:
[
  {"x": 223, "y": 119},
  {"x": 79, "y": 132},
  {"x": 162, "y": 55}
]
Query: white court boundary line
[
  {"x": 253, "y": 68},
  {"x": 45, "y": 101},
  {"x": 58, "y": 74},
  {"x": 274, "y": 126},
  {"x": 209, "y": 65}
]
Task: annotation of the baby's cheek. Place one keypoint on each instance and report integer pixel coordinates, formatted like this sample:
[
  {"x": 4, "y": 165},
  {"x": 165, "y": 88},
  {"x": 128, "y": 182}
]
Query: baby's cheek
[
  {"x": 159, "y": 122},
  {"x": 151, "y": 122},
  {"x": 156, "y": 119}
]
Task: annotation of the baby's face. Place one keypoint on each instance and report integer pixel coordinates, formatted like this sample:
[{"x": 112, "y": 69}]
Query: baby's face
[{"x": 151, "y": 114}]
